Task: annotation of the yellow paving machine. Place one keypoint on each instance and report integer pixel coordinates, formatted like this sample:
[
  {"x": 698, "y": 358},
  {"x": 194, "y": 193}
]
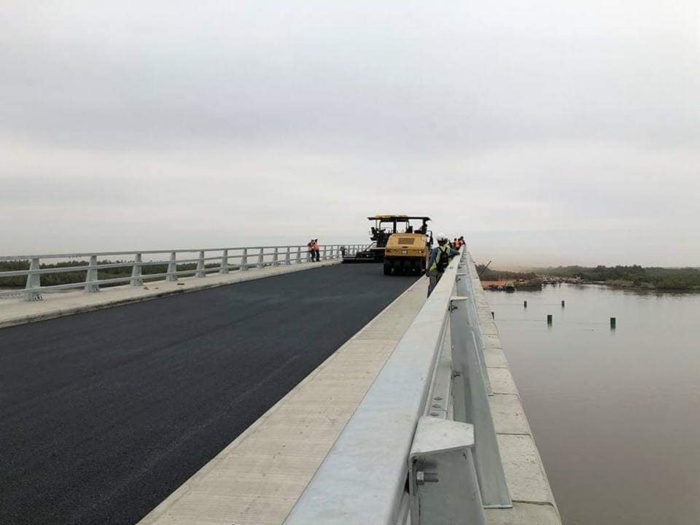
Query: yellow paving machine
[{"x": 401, "y": 242}]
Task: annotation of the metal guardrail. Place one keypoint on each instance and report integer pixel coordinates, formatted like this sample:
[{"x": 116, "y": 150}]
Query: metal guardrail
[
  {"x": 204, "y": 261},
  {"x": 421, "y": 447}
]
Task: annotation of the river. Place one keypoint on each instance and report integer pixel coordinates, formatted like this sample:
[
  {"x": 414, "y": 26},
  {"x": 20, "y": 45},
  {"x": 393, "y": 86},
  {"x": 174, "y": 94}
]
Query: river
[{"x": 615, "y": 413}]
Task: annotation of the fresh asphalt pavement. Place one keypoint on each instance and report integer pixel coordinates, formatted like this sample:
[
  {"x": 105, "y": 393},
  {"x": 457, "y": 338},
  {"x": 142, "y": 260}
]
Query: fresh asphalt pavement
[{"x": 104, "y": 414}]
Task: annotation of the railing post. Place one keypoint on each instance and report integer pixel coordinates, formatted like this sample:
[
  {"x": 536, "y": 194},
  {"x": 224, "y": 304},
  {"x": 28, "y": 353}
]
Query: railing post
[
  {"x": 91, "y": 284},
  {"x": 136, "y": 279},
  {"x": 325, "y": 253},
  {"x": 298, "y": 254},
  {"x": 200, "y": 266},
  {"x": 172, "y": 268},
  {"x": 244, "y": 260},
  {"x": 471, "y": 405},
  {"x": 287, "y": 259},
  {"x": 261, "y": 258},
  {"x": 33, "y": 281},
  {"x": 275, "y": 257},
  {"x": 443, "y": 485},
  {"x": 224, "y": 263}
]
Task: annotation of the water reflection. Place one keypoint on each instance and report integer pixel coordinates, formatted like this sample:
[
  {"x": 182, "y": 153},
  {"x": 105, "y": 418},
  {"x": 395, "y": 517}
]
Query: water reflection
[{"x": 614, "y": 412}]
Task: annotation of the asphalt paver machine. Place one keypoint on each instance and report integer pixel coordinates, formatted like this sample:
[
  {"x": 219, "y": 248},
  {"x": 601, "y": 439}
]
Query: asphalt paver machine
[{"x": 401, "y": 242}]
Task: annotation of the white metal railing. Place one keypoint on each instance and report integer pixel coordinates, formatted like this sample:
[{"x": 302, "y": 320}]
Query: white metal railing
[
  {"x": 421, "y": 448},
  {"x": 199, "y": 262}
]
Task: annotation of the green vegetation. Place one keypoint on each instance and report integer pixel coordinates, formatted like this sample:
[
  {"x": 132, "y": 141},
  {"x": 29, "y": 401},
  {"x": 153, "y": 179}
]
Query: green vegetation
[
  {"x": 522, "y": 280},
  {"x": 80, "y": 275},
  {"x": 672, "y": 279},
  {"x": 653, "y": 278},
  {"x": 489, "y": 274}
]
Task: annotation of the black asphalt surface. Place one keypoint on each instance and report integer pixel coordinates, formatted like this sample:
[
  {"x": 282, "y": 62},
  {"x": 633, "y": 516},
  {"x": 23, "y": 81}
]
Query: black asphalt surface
[{"x": 104, "y": 414}]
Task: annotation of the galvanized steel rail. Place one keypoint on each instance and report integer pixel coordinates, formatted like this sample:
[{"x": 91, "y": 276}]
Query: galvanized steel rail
[
  {"x": 206, "y": 260},
  {"x": 421, "y": 447}
]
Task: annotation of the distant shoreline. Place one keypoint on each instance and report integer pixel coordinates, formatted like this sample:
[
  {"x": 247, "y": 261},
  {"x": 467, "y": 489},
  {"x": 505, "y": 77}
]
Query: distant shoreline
[{"x": 653, "y": 279}]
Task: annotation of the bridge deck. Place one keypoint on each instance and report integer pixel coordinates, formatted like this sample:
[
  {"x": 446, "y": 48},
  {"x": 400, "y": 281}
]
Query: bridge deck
[
  {"x": 92, "y": 435},
  {"x": 104, "y": 414}
]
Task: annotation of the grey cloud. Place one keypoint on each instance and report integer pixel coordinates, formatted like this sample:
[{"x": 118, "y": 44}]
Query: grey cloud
[
  {"x": 370, "y": 86},
  {"x": 538, "y": 117}
]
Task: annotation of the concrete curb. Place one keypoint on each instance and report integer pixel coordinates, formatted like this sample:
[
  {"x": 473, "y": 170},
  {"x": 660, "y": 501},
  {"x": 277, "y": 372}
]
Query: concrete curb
[{"x": 530, "y": 491}]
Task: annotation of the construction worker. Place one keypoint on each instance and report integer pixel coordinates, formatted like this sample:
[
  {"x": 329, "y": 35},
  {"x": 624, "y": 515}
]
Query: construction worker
[{"x": 439, "y": 260}]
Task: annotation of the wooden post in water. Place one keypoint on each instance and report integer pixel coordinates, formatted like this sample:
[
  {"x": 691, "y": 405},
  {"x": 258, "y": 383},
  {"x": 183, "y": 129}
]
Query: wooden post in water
[
  {"x": 549, "y": 319},
  {"x": 563, "y": 304},
  {"x": 524, "y": 304},
  {"x": 613, "y": 323}
]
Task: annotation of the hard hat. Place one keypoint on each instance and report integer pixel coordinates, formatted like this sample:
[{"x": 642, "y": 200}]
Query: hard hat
[{"x": 441, "y": 237}]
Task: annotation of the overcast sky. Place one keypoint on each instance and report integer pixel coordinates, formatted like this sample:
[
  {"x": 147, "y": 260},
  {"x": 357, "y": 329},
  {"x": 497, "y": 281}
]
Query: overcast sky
[{"x": 545, "y": 132}]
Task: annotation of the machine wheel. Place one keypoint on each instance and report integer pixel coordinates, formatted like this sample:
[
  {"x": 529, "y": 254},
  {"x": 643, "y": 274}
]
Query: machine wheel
[
  {"x": 387, "y": 267},
  {"x": 415, "y": 267}
]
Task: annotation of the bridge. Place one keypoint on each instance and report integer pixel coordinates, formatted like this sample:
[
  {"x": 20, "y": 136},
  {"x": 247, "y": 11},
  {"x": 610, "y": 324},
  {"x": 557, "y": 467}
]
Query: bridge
[{"x": 253, "y": 386}]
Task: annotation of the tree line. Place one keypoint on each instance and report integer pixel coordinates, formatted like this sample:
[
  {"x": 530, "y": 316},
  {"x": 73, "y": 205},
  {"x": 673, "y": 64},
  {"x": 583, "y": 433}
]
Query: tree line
[
  {"x": 682, "y": 279},
  {"x": 525, "y": 280},
  {"x": 635, "y": 276}
]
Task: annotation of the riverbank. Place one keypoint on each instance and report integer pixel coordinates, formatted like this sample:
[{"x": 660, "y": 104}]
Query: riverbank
[
  {"x": 654, "y": 279},
  {"x": 534, "y": 284}
]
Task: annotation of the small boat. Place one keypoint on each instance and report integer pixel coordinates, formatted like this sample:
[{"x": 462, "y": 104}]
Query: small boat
[{"x": 509, "y": 287}]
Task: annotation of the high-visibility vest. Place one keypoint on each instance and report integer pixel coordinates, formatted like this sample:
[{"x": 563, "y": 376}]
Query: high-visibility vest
[{"x": 445, "y": 249}]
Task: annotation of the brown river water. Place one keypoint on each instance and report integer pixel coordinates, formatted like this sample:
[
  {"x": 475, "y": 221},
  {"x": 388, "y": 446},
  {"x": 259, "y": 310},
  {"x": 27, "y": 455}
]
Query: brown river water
[{"x": 615, "y": 413}]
